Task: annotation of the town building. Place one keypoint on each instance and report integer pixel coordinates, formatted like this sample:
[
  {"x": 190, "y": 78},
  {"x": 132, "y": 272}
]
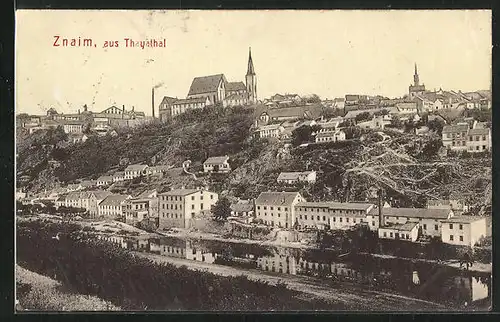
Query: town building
[
  {"x": 112, "y": 206},
  {"x": 416, "y": 88},
  {"x": 377, "y": 122},
  {"x": 277, "y": 208},
  {"x": 453, "y": 204},
  {"x": 217, "y": 164},
  {"x": 177, "y": 207},
  {"x": 273, "y": 115},
  {"x": 269, "y": 131},
  {"x": 294, "y": 177},
  {"x": 242, "y": 208},
  {"x": 429, "y": 219},
  {"x": 104, "y": 181},
  {"x": 136, "y": 210},
  {"x": 94, "y": 199},
  {"x": 235, "y": 100},
  {"x": 135, "y": 170},
  {"x": 463, "y": 230},
  {"x": 118, "y": 176},
  {"x": 331, "y": 215},
  {"x": 454, "y": 137},
  {"x": 72, "y": 126},
  {"x": 479, "y": 140},
  {"x": 336, "y": 136},
  {"x": 180, "y": 106},
  {"x": 407, "y": 231}
]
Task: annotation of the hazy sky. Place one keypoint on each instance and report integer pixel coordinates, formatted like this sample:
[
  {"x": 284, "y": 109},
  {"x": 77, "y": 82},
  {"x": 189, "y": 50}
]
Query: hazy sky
[{"x": 330, "y": 53}]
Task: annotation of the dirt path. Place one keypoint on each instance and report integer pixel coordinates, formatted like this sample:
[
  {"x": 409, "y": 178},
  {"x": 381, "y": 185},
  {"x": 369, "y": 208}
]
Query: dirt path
[{"x": 352, "y": 297}]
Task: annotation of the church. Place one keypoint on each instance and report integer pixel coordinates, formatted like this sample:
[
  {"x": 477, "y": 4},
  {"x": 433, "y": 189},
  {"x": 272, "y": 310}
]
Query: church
[{"x": 213, "y": 89}]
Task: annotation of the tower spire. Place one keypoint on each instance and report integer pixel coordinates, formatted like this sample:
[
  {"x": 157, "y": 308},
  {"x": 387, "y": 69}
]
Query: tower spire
[
  {"x": 250, "y": 70},
  {"x": 415, "y": 77}
]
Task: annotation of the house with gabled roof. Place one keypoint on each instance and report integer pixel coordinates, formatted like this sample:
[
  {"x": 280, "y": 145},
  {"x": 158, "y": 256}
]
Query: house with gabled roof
[
  {"x": 135, "y": 170},
  {"x": 294, "y": 177},
  {"x": 217, "y": 164},
  {"x": 104, "y": 181},
  {"x": 212, "y": 87},
  {"x": 277, "y": 209},
  {"x": 111, "y": 206},
  {"x": 178, "y": 206}
]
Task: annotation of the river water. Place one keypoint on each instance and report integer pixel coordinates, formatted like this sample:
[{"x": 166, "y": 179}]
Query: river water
[{"x": 454, "y": 288}]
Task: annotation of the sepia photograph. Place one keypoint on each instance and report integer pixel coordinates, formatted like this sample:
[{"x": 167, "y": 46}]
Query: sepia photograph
[{"x": 253, "y": 160}]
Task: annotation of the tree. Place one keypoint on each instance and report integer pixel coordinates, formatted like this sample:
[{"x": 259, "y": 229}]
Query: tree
[
  {"x": 313, "y": 99},
  {"x": 301, "y": 135},
  {"x": 435, "y": 126},
  {"x": 396, "y": 122},
  {"x": 365, "y": 116},
  {"x": 222, "y": 209}
]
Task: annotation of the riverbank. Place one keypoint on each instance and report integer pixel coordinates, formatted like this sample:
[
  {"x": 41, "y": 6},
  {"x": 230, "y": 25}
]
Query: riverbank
[
  {"x": 41, "y": 293},
  {"x": 476, "y": 267},
  {"x": 349, "y": 296}
]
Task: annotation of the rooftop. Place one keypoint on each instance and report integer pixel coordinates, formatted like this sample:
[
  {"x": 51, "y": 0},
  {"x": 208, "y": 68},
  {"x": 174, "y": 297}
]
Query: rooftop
[
  {"x": 401, "y": 227},
  {"x": 136, "y": 167},
  {"x": 413, "y": 212},
  {"x": 463, "y": 219},
  {"x": 337, "y": 205},
  {"x": 277, "y": 198},
  {"x": 206, "y": 84},
  {"x": 113, "y": 200},
  {"x": 235, "y": 86},
  {"x": 179, "y": 192},
  {"x": 293, "y": 175},
  {"x": 216, "y": 160}
]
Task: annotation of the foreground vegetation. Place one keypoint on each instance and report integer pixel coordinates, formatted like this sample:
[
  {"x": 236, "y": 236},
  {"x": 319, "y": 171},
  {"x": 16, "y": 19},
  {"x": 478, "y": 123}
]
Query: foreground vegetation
[
  {"x": 36, "y": 292},
  {"x": 92, "y": 267}
]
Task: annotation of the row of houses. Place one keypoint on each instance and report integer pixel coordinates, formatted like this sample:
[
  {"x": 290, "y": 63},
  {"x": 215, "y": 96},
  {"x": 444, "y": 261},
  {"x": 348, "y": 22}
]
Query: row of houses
[
  {"x": 75, "y": 124},
  {"x": 466, "y": 137},
  {"x": 290, "y": 210}
]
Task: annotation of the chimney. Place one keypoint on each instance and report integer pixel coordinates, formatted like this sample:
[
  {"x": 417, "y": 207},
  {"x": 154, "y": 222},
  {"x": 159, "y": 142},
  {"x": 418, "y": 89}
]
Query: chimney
[
  {"x": 153, "y": 101},
  {"x": 123, "y": 108},
  {"x": 78, "y": 111},
  {"x": 381, "y": 220},
  {"x": 132, "y": 108}
]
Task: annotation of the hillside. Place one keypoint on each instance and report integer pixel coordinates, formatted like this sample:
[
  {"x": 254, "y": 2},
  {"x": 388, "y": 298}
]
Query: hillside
[{"x": 406, "y": 166}]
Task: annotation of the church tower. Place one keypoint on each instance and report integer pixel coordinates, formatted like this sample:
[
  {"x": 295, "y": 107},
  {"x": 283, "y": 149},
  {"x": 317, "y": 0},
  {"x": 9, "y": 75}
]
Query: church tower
[
  {"x": 415, "y": 77},
  {"x": 251, "y": 80}
]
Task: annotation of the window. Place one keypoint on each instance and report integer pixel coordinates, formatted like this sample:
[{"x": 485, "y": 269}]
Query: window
[
  {"x": 461, "y": 238},
  {"x": 211, "y": 196},
  {"x": 347, "y": 219},
  {"x": 460, "y": 227},
  {"x": 425, "y": 226},
  {"x": 258, "y": 207},
  {"x": 286, "y": 209},
  {"x": 317, "y": 218},
  {"x": 192, "y": 207},
  {"x": 272, "y": 208},
  {"x": 407, "y": 236},
  {"x": 390, "y": 235},
  {"x": 451, "y": 227},
  {"x": 192, "y": 197},
  {"x": 340, "y": 219},
  {"x": 201, "y": 206},
  {"x": 305, "y": 217},
  {"x": 334, "y": 219},
  {"x": 451, "y": 237},
  {"x": 435, "y": 227},
  {"x": 300, "y": 216},
  {"x": 265, "y": 208},
  {"x": 385, "y": 234},
  {"x": 279, "y": 208},
  {"x": 373, "y": 223},
  {"x": 324, "y": 218}
]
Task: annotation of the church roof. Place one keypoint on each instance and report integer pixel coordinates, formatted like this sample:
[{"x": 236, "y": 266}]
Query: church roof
[
  {"x": 206, "y": 84},
  {"x": 235, "y": 86}
]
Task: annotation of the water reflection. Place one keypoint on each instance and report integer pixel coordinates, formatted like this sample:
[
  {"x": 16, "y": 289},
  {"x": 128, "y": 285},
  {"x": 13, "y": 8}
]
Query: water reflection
[{"x": 445, "y": 285}]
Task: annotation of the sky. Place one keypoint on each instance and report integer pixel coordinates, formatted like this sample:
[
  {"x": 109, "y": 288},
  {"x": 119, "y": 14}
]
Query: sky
[{"x": 330, "y": 53}]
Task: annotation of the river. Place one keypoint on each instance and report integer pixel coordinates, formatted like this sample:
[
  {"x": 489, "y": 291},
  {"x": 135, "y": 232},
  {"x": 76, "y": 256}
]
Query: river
[{"x": 453, "y": 288}]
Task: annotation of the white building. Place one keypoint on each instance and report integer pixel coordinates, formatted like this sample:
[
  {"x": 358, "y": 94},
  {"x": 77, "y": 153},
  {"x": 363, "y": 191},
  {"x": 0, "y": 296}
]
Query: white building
[
  {"x": 294, "y": 177},
  {"x": 332, "y": 215},
  {"x": 277, "y": 208},
  {"x": 104, "y": 181},
  {"x": 177, "y": 207},
  {"x": 111, "y": 206},
  {"x": 463, "y": 230},
  {"x": 270, "y": 131},
  {"x": 407, "y": 231},
  {"x": 135, "y": 170},
  {"x": 217, "y": 164},
  {"x": 336, "y": 136}
]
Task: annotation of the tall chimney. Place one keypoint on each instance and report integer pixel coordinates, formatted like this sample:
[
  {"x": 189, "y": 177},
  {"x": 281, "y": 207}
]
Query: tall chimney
[
  {"x": 381, "y": 222},
  {"x": 153, "y": 101}
]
